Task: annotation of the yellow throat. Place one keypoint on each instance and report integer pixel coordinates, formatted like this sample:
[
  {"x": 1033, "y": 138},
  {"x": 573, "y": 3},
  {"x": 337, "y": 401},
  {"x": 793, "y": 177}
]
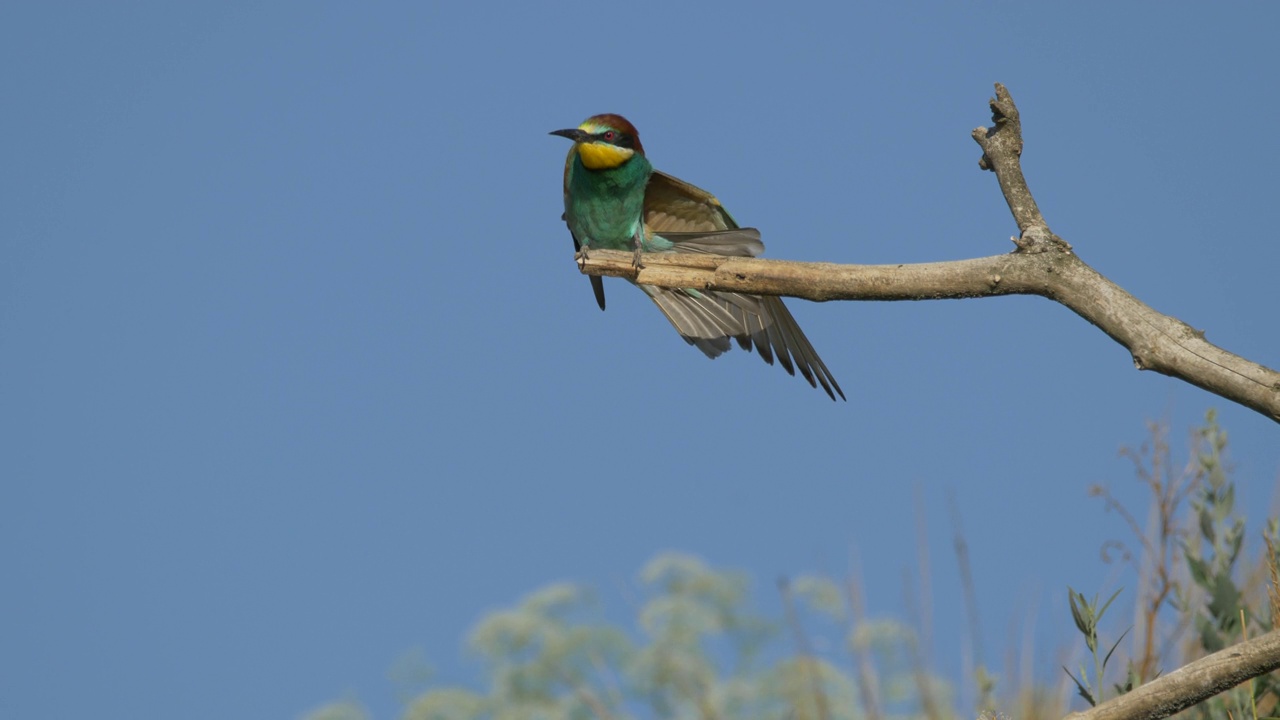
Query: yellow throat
[{"x": 602, "y": 156}]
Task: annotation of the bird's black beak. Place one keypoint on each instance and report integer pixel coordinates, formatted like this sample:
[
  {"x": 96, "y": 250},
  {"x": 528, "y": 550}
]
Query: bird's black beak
[{"x": 573, "y": 134}]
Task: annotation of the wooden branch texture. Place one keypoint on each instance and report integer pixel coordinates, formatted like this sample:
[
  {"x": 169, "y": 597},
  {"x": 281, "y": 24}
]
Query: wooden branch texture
[
  {"x": 1192, "y": 683},
  {"x": 1043, "y": 264}
]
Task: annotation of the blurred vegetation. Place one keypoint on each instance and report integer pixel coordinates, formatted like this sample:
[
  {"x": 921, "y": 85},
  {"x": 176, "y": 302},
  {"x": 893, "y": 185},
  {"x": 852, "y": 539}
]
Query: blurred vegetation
[
  {"x": 1195, "y": 592},
  {"x": 700, "y": 651}
]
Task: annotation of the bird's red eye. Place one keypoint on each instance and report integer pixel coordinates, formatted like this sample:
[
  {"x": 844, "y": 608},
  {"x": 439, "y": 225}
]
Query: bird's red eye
[{"x": 608, "y": 135}]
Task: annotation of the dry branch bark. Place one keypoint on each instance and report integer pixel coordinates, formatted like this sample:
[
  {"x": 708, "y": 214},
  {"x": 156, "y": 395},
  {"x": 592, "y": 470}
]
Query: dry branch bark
[
  {"x": 1192, "y": 683},
  {"x": 1042, "y": 264}
]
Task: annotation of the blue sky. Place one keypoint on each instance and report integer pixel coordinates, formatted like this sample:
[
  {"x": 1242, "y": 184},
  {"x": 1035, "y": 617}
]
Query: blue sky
[{"x": 298, "y": 374}]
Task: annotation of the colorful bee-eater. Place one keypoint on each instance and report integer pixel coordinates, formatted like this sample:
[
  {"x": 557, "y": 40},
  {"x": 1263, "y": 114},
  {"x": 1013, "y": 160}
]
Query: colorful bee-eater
[{"x": 615, "y": 200}]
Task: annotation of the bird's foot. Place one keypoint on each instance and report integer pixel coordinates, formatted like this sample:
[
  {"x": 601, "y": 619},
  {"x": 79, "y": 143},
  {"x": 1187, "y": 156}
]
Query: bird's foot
[
  {"x": 581, "y": 258},
  {"x": 637, "y": 243}
]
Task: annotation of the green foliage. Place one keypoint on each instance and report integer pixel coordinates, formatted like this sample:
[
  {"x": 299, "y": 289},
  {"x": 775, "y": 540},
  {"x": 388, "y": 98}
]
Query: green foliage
[
  {"x": 1203, "y": 584},
  {"x": 1087, "y": 616},
  {"x": 543, "y": 660},
  {"x": 1212, "y": 559},
  {"x": 447, "y": 704},
  {"x": 1219, "y": 598},
  {"x": 341, "y": 710},
  {"x": 821, "y": 594},
  {"x": 699, "y": 650}
]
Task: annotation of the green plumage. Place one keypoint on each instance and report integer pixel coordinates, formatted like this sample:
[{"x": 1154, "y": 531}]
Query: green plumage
[{"x": 604, "y": 207}]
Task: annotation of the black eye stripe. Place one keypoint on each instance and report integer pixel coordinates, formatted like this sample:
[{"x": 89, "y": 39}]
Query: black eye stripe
[{"x": 620, "y": 139}]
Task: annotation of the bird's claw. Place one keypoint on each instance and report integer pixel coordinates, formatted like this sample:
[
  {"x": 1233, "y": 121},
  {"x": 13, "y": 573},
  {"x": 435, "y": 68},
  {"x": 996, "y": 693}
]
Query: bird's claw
[
  {"x": 637, "y": 244},
  {"x": 581, "y": 258}
]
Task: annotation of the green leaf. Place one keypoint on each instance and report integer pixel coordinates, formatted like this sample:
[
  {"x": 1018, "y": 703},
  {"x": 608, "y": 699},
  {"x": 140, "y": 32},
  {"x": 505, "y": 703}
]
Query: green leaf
[
  {"x": 1225, "y": 602},
  {"x": 1206, "y": 526},
  {"x": 1078, "y": 609},
  {"x": 1235, "y": 539},
  {"x": 1199, "y": 569},
  {"x": 1108, "y": 603},
  {"x": 1080, "y": 687},
  {"x": 1113, "y": 647}
]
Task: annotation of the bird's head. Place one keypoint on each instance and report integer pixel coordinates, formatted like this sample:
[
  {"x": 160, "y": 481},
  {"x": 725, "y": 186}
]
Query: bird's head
[{"x": 604, "y": 141}]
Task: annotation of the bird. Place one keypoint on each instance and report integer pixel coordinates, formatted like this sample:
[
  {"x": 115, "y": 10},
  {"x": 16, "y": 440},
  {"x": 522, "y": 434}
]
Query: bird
[{"x": 615, "y": 200}]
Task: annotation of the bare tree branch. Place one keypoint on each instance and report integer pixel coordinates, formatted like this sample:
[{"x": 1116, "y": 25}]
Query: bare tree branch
[
  {"x": 1002, "y": 153},
  {"x": 1043, "y": 264},
  {"x": 1192, "y": 683}
]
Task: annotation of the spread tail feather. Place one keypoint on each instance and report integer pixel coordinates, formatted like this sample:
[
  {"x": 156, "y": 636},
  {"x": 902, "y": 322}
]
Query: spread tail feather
[{"x": 709, "y": 319}]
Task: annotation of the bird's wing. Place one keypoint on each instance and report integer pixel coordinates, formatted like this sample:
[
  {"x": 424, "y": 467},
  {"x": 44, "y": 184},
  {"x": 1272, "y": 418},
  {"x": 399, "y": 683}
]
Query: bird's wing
[
  {"x": 738, "y": 242},
  {"x": 673, "y": 205},
  {"x": 597, "y": 282},
  {"x": 694, "y": 221}
]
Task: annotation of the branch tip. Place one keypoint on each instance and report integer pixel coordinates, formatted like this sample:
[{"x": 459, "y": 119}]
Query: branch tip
[{"x": 1002, "y": 108}]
